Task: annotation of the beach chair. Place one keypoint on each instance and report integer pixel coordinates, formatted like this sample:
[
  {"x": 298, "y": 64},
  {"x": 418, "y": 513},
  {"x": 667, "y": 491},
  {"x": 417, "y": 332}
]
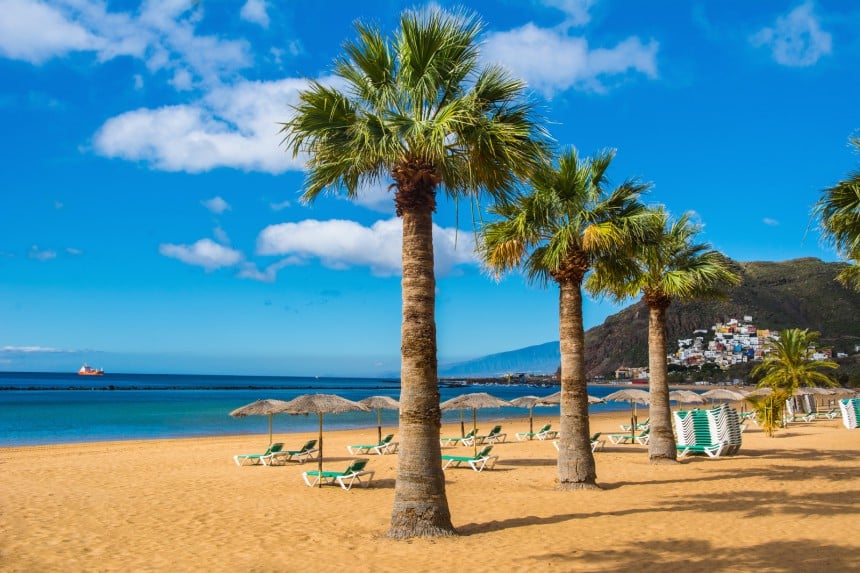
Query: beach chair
[
  {"x": 711, "y": 450},
  {"x": 385, "y": 446},
  {"x": 493, "y": 437},
  {"x": 345, "y": 479},
  {"x": 465, "y": 440},
  {"x": 545, "y": 433},
  {"x": 596, "y": 442},
  {"x": 307, "y": 452},
  {"x": 640, "y": 426},
  {"x": 641, "y": 439},
  {"x": 240, "y": 459},
  {"x": 479, "y": 462}
]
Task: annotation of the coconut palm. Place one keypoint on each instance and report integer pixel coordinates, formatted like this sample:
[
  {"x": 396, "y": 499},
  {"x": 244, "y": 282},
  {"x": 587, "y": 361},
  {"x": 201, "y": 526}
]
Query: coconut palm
[
  {"x": 838, "y": 215},
  {"x": 556, "y": 232},
  {"x": 416, "y": 108},
  {"x": 667, "y": 266},
  {"x": 787, "y": 366}
]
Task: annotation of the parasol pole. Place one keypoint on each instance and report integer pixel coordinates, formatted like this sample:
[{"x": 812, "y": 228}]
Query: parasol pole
[
  {"x": 475, "y": 429},
  {"x": 633, "y": 418},
  {"x": 379, "y": 424},
  {"x": 462, "y": 425},
  {"x": 270, "y": 429},
  {"x": 531, "y": 422},
  {"x": 319, "y": 463}
]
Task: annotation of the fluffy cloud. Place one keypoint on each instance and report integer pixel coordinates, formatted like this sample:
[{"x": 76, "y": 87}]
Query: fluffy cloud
[
  {"x": 770, "y": 222},
  {"x": 551, "y": 61},
  {"x": 30, "y": 350},
  {"x": 41, "y": 254},
  {"x": 796, "y": 39},
  {"x": 575, "y": 10},
  {"x": 162, "y": 34},
  {"x": 255, "y": 11},
  {"x": 204, "y": 253},
  {"x": 340, "y": 244},
  {"x": 232, "y": 126},
  {"x": 216, "y": 204}
]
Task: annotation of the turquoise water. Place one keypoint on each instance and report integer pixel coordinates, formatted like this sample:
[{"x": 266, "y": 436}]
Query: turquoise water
[{"x": 61, "y": 408}]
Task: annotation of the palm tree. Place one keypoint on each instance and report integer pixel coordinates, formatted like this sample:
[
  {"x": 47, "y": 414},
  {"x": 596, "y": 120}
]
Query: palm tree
[
  {"x": 787, "y": 367},
  {"x": 418, "y": 110},
  {"x": 838, "y": 215},
  {"x": 667, "y": 266},
  {"x": 556, "y": 232}
]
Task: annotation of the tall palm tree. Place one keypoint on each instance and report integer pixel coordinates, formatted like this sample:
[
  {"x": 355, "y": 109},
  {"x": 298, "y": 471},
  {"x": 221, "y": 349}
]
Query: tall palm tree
[
  {"x": 417, "y": 109},
  {"x": 667, "y": 266},
  {"x": 838, "y": 215},
  {"x": 786, "y": 367},
  {"x": 556, "y": 232}
]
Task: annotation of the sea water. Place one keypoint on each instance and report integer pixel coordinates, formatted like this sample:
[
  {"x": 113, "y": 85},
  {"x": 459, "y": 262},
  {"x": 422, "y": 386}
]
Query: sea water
[{"x": 51, "y": 408}]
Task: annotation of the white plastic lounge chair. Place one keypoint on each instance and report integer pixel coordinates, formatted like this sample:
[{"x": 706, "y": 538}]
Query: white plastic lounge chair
[
  {"x": 386, "y": 446},
  {"x": 495, "y": 436},
  {"x": 545, "y": 433},
  {"x": 479, "y": 462},
  {"x": 596, "y": 442},
  {"x": 641, "y": 439},
  {"x": 240, "y": 459},
  {"x": 465, "y": 440},
  {"x": 712, "y": 450},
  {"x": 640, "y": 426},
  {"x": 303, "y": 454},
  {"x": 345, "y": 479}
]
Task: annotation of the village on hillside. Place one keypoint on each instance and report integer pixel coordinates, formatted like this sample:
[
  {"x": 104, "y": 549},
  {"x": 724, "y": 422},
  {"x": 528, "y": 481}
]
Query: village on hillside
[{"x": 733, "y": 342}]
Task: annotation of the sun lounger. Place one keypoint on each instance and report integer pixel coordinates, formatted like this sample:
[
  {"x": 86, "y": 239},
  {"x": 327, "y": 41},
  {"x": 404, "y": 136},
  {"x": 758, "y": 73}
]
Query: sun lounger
[
  {"x": 596, "y": 442},
  {"x": 640, "y": 426},
  {"x": 275, "y": 448},
  {"x": 493, "y": 437},
  {"x": 479, "y": 462},
  {"x": 711, "y": 450},
  {"x": 545, "y": 433},
  {"x": 345, "y": 479},
  {"x": 465, "y": 440},
  {"x": 641, "y": 439},
  {"x": 715, "y": 432},
  {"x": 303, "y": 454},
  {"x": 386, "y": 446}
]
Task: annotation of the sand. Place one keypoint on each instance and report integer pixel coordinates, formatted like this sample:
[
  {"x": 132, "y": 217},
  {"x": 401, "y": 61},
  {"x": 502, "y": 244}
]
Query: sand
[{"x": 788, "y": 503}]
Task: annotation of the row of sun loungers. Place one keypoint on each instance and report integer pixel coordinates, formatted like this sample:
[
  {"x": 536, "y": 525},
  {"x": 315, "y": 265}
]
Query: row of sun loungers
[
  {"x": 713, "y": 432},
  {"x": 850, "y": 409}
]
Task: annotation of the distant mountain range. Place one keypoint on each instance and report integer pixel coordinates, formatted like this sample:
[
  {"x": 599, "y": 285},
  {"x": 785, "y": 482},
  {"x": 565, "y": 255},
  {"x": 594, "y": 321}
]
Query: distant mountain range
[{"x": 799, "y": 293}]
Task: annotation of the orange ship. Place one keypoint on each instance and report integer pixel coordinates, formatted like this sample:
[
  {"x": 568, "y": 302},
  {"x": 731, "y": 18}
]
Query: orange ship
[{"x": 86, "y": 370}]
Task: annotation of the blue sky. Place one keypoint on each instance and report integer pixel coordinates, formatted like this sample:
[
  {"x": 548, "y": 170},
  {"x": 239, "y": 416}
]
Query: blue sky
[{"x": 151, "y": 222}]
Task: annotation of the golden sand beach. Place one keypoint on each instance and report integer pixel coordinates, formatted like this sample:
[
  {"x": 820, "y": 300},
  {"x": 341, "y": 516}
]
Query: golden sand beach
[{"x": 789, "y": 503}]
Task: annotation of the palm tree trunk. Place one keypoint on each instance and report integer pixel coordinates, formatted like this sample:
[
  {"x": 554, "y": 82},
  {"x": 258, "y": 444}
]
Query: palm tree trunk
[
  {"x": 576, "y": 469},
  {"x": 420, "y": 504},
  {"x": 661, "y": 444}
]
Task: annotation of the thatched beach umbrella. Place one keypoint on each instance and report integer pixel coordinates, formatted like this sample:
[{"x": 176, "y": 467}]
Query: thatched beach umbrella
[
  {"x": 528, "y": 402},
  {"x": 474, "y": 401},
  {"x": 634, "y": 397},
  {"x": 686, "y": 397},
  {"x": 724, "y": 394},
  {"x": 320, "y": 404},
  {"x": 260, "y": 408},
  {"x": 380, "y": 403}
]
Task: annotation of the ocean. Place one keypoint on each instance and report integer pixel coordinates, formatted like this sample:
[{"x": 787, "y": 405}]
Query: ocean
[{"x": 53, "y": 408}]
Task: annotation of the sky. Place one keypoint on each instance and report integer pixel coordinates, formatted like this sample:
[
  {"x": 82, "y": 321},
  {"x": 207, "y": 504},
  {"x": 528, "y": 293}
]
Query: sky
[{"x": 150, "y": 219}]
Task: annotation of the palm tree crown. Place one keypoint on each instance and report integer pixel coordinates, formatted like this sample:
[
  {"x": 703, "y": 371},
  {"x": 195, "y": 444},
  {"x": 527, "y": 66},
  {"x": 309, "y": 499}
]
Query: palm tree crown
[
  {"x": 838, "y": 215},
  {"x": 788, "y": 365}
]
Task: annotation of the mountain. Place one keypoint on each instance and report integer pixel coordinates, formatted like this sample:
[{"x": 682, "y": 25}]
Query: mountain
[
  {"x": 539, "y": 359},
  {"x": 799, "y": 293}
]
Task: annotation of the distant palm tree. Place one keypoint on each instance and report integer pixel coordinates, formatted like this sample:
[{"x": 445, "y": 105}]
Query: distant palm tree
[
  {"x": 785, "y": 368},
  {"x": 418, "y": 110},
  {"x": 667, "y": 266},
  {"x": 838, "y": 215},
  {"x": 557, "y": 231}
]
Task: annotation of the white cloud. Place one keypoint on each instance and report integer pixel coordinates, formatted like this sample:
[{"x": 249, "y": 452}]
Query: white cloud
[
  {"x": 340, "y": 244},
  {"x": 770, "y": 222},
  {"x": 41, "y": 255},
  {"x": 30, "y": 350},
  {"x": 575, "y": 10},
  {"x": 73, "y": 251},
  {"x": 376, "y": 198},
  {"x": 204, "y": 253},
  {"x": 255, "y": 11},
  {"x": 221, "y": 236},
  {"x": 796, "y": 39},
  {"x": 138, "y": 82},
  {"x": 162, "y": 34},
  {"x": 551, "y": 60},
  {"x": 216, "y": 204},
  {"x": 279, "y": 206},
  {"x": 232, "y": 126},
  {"x": 270, "y": 273}
]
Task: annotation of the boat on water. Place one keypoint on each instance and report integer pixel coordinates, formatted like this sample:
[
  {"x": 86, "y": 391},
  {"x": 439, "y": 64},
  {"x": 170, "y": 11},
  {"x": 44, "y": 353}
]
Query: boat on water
[{"x": 87, "y": 370}]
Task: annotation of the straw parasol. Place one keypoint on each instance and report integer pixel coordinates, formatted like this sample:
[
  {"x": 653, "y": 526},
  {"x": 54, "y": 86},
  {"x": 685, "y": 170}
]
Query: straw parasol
[
  {"x": 380, "y": 403},
  {"x": 634, "y": 397},
  {"x": 763, "y": 391},
  {"x": 474, "y": 401},
  {"x": 260, "y": 408},
  {"x": 528, "y": 402},
  {"x": 724, "y": 394},
  {"x": 686, "y": 397},
  {"x": 320, "y": 404}
]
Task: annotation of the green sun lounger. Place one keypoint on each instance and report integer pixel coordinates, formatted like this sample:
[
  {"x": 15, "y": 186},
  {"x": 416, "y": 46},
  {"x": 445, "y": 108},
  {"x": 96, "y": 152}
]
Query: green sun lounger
[
  {"x": 345, "y": 479},
  {"x": 303, "y": 454},
  {"x": 479, "y": 462},
  {"x": 545, "y": 433},
  {"x": 386, "y": 446},
  {"x": 641, "y": 439},
  {"x": 275, "y": 448},
  {"x": 465, "y": 440}
]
